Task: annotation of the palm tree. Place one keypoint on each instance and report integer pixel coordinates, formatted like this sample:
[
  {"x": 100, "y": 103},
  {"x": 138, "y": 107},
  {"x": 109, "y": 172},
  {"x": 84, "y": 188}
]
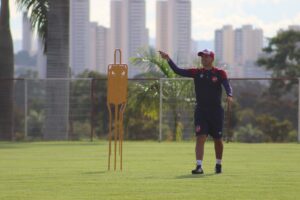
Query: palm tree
[
  {"x": 6, "y": 74},
  {"x": 175, "y": 90},
  {"x": 51, "y": 19},
  {"x": 57, "y": 114}
]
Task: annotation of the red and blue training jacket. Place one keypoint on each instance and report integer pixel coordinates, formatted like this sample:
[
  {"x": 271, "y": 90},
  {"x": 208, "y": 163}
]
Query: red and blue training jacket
[{"x": 208, "y": 83}]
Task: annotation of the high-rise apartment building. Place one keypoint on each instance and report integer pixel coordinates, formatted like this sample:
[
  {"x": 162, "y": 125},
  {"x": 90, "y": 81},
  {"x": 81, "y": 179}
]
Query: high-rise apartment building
[
  {"x": 98, "y": 48},
  {"x": 128, "y": 30},
  {"x": 135, "y": 32},
  {"x": 224, "y": 45},
  {"x": 248, "y": 45},
  {"x": 134, "y": 17},
  {"x": 101, "y": 49},
  {"x": 115, "y": 33},
  {"x": 239, "y": 48},
  {"x": 41, "y": 59},
  {"x": 79, "y": 35},
  {"x": 27, "y": 34},
  {"x": 162, "y": 25},
  {"x": 173, "y": 24},
  {"x": 93, "y": 46},
  {"x": 294, "y": 27}
]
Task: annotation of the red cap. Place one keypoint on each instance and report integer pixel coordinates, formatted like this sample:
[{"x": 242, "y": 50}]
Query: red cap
[{"x": 207, "y": 52}]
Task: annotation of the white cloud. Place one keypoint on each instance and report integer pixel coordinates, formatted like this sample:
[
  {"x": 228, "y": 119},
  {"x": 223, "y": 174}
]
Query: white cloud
[
  {"x": 211, "y": 16},
  {"x": 270, "y": 29},
  {"x": 206, "y": 16},
  {"x": 151, "y": 17},
  {"x": 15, "y": 21},
  {"x": 100, "y": 12},
  {"x": 14, "y": 11},
  {"x": 256, "y": 2}
]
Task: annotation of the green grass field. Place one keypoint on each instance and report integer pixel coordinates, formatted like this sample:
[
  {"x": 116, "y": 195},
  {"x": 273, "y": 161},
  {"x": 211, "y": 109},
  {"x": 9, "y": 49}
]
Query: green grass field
[{"x": 78, "y": 170}]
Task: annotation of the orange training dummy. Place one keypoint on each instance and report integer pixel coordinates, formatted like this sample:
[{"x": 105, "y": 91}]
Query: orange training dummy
[{"x": 116, "y": 101}]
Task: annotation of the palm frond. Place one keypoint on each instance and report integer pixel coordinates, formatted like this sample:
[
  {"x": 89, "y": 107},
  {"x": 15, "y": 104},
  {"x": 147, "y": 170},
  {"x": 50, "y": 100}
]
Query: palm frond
[
  {"x": 149, "y": 58},
  {"x": 38, "y": 11}
]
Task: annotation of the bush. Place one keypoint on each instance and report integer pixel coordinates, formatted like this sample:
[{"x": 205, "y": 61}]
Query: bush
[
  {"x": 292, "y": 137},
  {"x": 249, "y": 134},
  {"x": 277, "y": 131},
  {"x": 80, "y": 130}
]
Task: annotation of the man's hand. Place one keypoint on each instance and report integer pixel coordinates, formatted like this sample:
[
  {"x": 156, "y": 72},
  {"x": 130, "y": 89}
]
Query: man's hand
[
  {"x": 229, "y": 100},
  {"x": 164, "y": 55}
]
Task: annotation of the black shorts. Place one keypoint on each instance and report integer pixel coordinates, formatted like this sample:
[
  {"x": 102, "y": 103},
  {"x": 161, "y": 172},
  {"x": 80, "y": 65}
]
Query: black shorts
[{"x": 209, "y": 122}]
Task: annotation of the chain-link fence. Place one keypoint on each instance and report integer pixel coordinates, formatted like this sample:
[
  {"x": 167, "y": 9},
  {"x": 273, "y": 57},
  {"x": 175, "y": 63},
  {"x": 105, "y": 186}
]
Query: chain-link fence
[
  {"x": 51, "y": 109},
  {"x": 141, "y": 117},
  {"x": 264, "y": 110}
]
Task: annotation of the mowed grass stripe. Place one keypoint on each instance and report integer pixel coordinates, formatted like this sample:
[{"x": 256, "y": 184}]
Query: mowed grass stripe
[{"x": 151, "y": 170}]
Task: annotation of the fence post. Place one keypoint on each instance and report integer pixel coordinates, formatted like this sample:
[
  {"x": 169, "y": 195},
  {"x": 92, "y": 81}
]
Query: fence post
[
  {"x": 160, "y": 109},
  {"x": 26, "y": 108},
  {"x": 298, "y": 109},
  {"x": 92, "y": 109}
]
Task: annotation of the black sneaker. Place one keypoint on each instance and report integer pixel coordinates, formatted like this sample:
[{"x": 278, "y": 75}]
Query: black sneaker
[
  {"x": 218, "y": 169},
  {"x": 198, "y": 170}
]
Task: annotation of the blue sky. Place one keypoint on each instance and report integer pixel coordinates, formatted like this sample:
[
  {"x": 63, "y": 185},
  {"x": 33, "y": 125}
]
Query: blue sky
[{"x": 270, "y": 15}]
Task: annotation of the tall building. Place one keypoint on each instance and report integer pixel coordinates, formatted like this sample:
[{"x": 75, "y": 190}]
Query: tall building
[
  {"x": 224, "y": 45},
  {"x": 93, "y": 46},
  {"x": 115, "y": 33},
  {"x": 248, "y": 45},
  {"x": 239, "y": 49},
  {"x": 27, "y": 34},
  {"x": 134, "y": 31},
  {"x": 79, "y": 35},
  {"x": 173, "y": 24},
  {"x": 98, "y": 48},
  {"x": 162, "y": 25},
  {"x": 41, "y": 60},
  {"x": 128, "y": 30},
  {"x": 101, "y": 49},
  {"x": 294, "y": 27}
]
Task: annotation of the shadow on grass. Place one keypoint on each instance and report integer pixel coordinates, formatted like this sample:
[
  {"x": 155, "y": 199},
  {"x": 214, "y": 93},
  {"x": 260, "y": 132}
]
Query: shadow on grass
[
  {"x": 95, "y": 172},
  {"x": 195, "y": 176},
  {"x": 70, "y": 143},
  {"x": 29, "y": 144}
]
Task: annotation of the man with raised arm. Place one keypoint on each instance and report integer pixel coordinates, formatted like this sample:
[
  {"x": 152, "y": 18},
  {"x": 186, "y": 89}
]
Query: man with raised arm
[{"x": 209, "y": 114}]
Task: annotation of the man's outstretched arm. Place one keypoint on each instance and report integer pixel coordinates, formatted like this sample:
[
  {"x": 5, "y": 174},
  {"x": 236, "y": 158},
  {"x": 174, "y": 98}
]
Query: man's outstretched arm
[{"x": 175, "y": 68}]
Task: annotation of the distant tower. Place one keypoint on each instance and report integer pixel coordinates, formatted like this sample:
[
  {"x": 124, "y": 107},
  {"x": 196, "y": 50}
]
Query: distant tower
[
  {"x": 93, "y": 46},
  {"x": 173, "y": 24},
  {"x": 294, "y": 27},
  {"x": 128, "y": 30},
  {"x": 41, "y": 59},
  {"x": 101, "y": 47},
  {"x": 27, "y": 34},
  {"x": 79, "y": 35},
  {"x": 135, "y": 34},
  {"x": 224, "y": 45},
  {"x": 162, "y": 26},
  {"x": 239, "y": 48},
  {"x": 179, "y": 20},
  {"x": 248, "y": 45},
  {"x": 116, "y": 29},
  {"x": 98, "y": 48}
]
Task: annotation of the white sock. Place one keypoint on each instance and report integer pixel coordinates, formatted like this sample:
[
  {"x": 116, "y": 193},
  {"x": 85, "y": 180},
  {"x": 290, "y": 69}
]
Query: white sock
[
  {"x": 199, "y": 162},
  {"x": 218, "y": 161}
]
